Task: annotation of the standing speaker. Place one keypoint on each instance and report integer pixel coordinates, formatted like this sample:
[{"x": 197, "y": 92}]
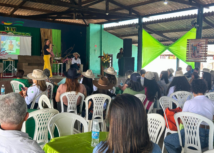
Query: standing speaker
[
  {"x": 126, "y": 63},
  {"x": 127, "y": 47}
]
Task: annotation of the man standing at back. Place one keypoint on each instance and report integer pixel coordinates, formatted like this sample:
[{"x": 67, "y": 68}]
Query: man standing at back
[
  {"x": 13, "y": 112},
  {"x": 188, "y": 74}
]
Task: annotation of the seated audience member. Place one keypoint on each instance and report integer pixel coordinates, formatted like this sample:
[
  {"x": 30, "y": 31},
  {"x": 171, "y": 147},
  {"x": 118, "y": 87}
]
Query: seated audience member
[
  {"x": 200, "y": 105},
  {"x": 157, "y": 79},
  {"x": 196, "y": 70},
  {"x": 194, "y": 76},
  {"x": 207, "y": 78},
  {"x": 127, "y": 76},
  {"x": 134, "y": 86},
  {"x": 47, "y": 74},
  {"x": 76, "y": 62},
  {"x": 111, "y": 76},
  {"x": 71, "y": 84},
  {"x": 179, "y": 83},
  {"x": 164, "y": 82},
  {"x": 19, "y": 75},
  {"x": 151, "y": 89},
  {"x": 128, "y": 128},
  {"x": 87, "y": 79},
  {"x": 39, "y": 86},
  {"x": 212, "y": 78},
  {"x": 13, "y": 112},
  {"x": 188, "y": 74},
  {"x": 142, "y": 73},
  {"x": 103, "y": 87},
  {"x": 170, "y": 74}
]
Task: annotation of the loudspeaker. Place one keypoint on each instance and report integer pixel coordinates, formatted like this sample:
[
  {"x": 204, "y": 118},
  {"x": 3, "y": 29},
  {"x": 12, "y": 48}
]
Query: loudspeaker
[
  {"x": 125, "y": 64},
  {"x": 127, "y": 47}
]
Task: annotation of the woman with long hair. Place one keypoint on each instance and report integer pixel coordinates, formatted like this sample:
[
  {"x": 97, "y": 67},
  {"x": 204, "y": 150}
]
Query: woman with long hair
[
  {"x": 134, "y": 86},
  {"x": 179, "y": 83},
  {"x": 47, "y": 56},
  {"x": 126, "y": 110},
  {"x": 71, "y": 84},
  {"x": 164, "y": 82},
  {"x": 39, "y": 86},
  {"x": 207, "y": 77},
  {"x": 151, "y": 89},
  {"x": 19, "y": 75}
]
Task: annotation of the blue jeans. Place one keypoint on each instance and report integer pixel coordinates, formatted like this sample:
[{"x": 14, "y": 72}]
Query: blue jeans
[{"x": 172, "y": 141}]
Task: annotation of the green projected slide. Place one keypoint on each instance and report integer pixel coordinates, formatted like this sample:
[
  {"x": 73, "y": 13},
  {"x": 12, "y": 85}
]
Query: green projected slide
[{"x": 10, "y": 45}]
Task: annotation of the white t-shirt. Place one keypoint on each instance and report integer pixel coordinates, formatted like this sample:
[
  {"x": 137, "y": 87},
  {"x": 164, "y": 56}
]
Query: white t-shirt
[
  {"x": 77, "y": 61},
  {"x": 200, "y": 105},
  {"x": 12, "y": 141}
]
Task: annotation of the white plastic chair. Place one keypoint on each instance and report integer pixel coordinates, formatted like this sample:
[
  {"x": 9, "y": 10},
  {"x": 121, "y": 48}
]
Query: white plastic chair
[
  {"x": 191, "y": 123},
  {"x": 156, "y": 126},
  {"x": 44, "y": 99},
  {"x": 98, "y": 103},
  {"x": 34, "y": 100},
  {"x": 72, "y": 98},
  {"x": 64, "y": 122},
  {"x": 15, "y": 86},
  {"x": 48, "y": 84},
  {"x": 150, "y": 108},
  {"x": 210, "y": 95},
  {"x": 166, "y": 102},
  {"x": 181, "y": 97},
  {"x": 209, "y": 151},
  {"x": 142, "y": 97},
  {"x": 41, "y": 118}
]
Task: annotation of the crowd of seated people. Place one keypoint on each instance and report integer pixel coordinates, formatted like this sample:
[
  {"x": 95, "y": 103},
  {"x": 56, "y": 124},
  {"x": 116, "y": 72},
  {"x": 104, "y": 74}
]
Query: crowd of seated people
[{"x": 124, "y": 107}]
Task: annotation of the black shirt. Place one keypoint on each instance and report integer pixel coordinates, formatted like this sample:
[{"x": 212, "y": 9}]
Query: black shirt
[
  {"x": 119, "y": 55},
  {"x": 45, "y": 51}
]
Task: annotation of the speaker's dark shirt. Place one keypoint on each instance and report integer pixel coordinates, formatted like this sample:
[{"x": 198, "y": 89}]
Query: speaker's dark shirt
[{"x": 45, "y": 50}]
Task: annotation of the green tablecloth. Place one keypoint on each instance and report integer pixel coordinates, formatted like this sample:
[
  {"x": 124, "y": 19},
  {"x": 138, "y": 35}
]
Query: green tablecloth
[
  {"x": 78, "y": 143},
  {"x": 30, "y": 126}
]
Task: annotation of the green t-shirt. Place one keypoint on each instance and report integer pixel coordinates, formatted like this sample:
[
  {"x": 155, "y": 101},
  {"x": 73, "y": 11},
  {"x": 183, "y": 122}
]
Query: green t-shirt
[
  {"x": 132, "y": 92},
  {"x": 24, "y": 81}
]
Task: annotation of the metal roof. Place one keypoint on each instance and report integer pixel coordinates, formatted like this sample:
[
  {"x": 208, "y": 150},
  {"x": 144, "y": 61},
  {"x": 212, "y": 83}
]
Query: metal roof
[{"x": 93, "y": 11}]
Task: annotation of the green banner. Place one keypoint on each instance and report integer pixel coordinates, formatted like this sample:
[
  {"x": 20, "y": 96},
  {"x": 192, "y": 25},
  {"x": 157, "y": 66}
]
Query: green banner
[
  {"x": 56, "y": 39},
  {"x": 152, "y": 48}
]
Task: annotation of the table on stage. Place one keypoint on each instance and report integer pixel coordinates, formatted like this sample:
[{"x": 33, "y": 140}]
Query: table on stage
[{"x": 78, "y": 143}]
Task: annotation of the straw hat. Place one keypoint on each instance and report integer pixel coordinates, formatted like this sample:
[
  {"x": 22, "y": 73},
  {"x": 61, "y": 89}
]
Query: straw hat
[
  {"x": 76, "y": 54},
  {"x": 88, "y": 74},
  {"x": 110, "y": 71},
  {"x": 149, "y": 75},
  {"x": 206, "y": 70},
  {"x": 171, "y": 70},
  {"x": 37, "y": 75},
  {"x": 103, "y": 83},
  {"x": 178, "y": 74}
]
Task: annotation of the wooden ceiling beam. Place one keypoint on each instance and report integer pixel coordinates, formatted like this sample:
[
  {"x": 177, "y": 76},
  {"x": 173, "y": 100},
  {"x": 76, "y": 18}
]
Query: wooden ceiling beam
[
  {"x": 93, "y": 3},
  {"x": 124, "y": 7},
  {"x": 208, "y": 22},
  {"x": 17, "y": 7}
]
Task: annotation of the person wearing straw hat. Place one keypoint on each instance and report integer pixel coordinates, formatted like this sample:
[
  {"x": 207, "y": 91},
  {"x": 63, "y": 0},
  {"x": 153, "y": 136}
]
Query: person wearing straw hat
[
  {"x": 208, "y": 78},
  {"x": 76, "y": 62},
  {"x": 39, "y": 86},
  {"x": 87, "y": 79},
  {"x": 111, "y": 75},
  {"x": 103, "y": 87},
  {"x": 170, "y": 74},
  {"x": 179, "y": 83},
  {"x": 71, "y": 84}
]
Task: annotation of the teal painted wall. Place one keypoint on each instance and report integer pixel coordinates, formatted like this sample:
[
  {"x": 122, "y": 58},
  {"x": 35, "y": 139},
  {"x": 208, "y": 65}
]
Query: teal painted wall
[{"x": 105, "y": 42}]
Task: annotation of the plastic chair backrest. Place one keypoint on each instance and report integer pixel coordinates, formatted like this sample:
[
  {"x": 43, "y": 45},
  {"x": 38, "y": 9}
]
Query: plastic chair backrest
[
  {"x": 166, "y": 102},
  {"x": 72, "y": 98},
  {"x": 142, "y": 97},
  {"x": 15, "y": 86},
  {"x": 65, "y": 124},
  {"x": 41, "y": 117},
  {"x": 210, "y": 95},
  {"x": 209, "y": 151},
  {"x": 191, "y": 123},
  {"x": 98, "y": 103},
  {"x": 181, "y": 97},
  {"x": 48, "y": 84},
  {"x": 34, "y": 100},
  {"x": 156, "y": 126},
  {"x": 44, "y": 99}
]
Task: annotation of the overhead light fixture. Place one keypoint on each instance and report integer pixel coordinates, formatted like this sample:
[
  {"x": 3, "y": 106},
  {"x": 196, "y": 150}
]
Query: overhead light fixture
[
  {"x": 107, "y": 13},
  {"x": 165, "y": 2}
]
